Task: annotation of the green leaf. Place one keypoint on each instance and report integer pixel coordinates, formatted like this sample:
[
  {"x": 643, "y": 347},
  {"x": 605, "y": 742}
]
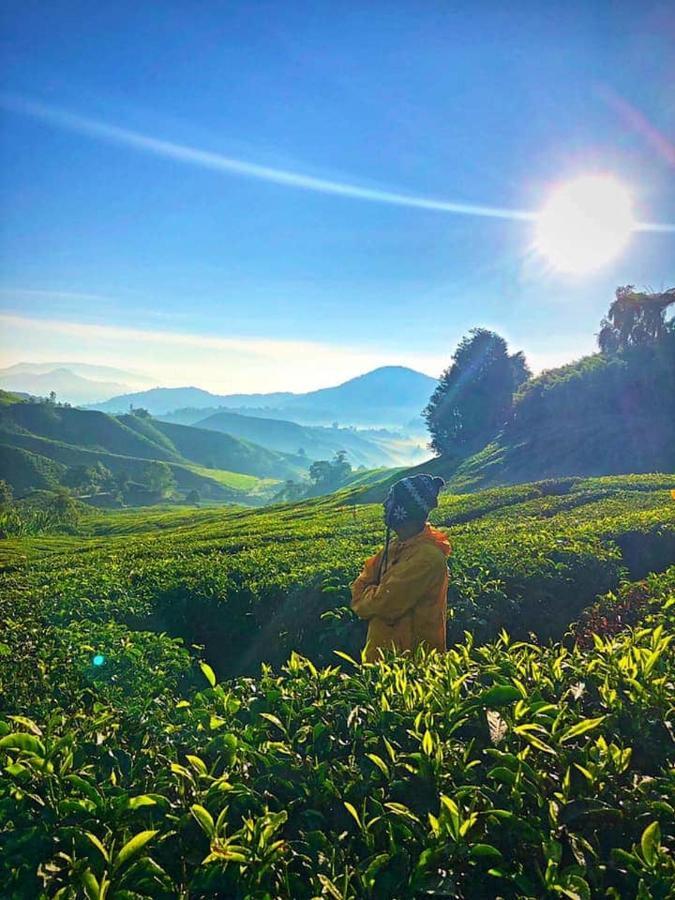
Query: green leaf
[
  {"x": 427, "y": 743},
  {"x": 19, "y": 740},
  {"x": 197, "y": 764},
  {"x": 581, "y": 728},
  {"x": 346, "y": 657},
  {"x": 370, "y": 875},
  {"x": 133, "y": 847},
  {"x": 485, "y": 851},
  {"x": 650, "y": 843},
  {"x": 352, "y": 811},
  {"x": 380, "y": 763},
  {"x": 99, "y": 846},
  {"x": 275, "y": 720},
  {"x": 330, "y": 887},
  {"x": 205, "y": 819},
  {"x": 90, "y": 884},
  {"x": 208, "y": 673},
  {"x": 576, "y": 888},
  {"x": 536, "y": 742},
  {"x": 27, "y": 723},
  {"x": 499, "y": 695},
  {"x": 141, "y": 800}
]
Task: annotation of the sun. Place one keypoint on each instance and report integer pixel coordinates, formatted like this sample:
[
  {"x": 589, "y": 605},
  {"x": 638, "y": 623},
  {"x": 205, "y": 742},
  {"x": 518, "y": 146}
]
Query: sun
[{"x": 585, "y": 223}]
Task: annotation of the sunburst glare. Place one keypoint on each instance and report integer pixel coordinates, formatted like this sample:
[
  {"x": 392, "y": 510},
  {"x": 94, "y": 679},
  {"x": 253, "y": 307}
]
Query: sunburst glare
[{"x": 585, "y": 223}]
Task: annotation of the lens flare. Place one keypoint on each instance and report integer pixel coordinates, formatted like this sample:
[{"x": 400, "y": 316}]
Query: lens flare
[
  {"x": 585, "y": 224},
  {"x": 98, "y": 660}
]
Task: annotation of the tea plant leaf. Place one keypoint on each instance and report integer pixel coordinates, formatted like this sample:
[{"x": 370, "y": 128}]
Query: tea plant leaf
[
  {"x": 650, "y": 843},
  {"x": 91, "y": 886},
  {"x": 132, "y": 848},
  {"x": 208, "y": 673},
  {"x": 353, "y": 813},
  {"x": 27, "y": 723},
  {"x": 19, "y": 740},
  {"x": 427, "y": 743},
  {"x": 485, "y": 852},
  {"x": 99, "y": 846},
  {"x": 329, "y": 886},
  {"x": 346, "y": 657},
  {"x": 197, "y": 764},
  {"x": 204, "y": 818},
  {"x": 275, "y": 720},
  {"x": 141, "y": 800},
  {"x": 499, "y": 695},
  {"x": 581, "y": 728},
  {"x": 380, "y": 763}
]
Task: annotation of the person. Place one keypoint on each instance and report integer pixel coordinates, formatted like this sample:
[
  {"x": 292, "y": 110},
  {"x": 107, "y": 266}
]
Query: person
[{"x": 402, "y": 590}]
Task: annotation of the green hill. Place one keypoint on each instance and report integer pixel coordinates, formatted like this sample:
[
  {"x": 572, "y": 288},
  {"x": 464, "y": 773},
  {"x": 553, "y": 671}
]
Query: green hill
[
  {"x": 603, "y": 415},
  {"x": 38, "y": 440}
]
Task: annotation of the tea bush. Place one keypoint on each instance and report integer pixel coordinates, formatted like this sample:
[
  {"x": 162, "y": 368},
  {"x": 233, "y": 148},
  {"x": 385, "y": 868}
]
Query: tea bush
[{"x": 509, "y": 767}]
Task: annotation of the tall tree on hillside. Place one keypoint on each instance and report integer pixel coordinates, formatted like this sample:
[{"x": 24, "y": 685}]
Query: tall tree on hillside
[
  {"x": 159, "y": 478},
  {"x": 474, "y": 394},
  {"x": 634, "y": 317}
]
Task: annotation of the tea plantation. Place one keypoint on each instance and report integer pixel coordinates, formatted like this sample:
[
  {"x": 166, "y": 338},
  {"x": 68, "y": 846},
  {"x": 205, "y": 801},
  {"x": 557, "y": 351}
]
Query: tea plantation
[{"x": 175, "y": 723}]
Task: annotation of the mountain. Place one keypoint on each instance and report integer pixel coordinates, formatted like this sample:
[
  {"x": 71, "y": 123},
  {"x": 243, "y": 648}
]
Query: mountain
[
  {"x": 606, "y": 414},
  {"x": 369, "y": 448},
  {"x": 390, "y": 396},
  {"x": 39, "y": 440},
  {"x": 130, "y": 378},
  {"x": 67, "y": 386}
]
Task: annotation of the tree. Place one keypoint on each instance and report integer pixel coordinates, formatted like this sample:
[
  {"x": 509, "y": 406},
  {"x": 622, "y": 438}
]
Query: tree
[
  {"x": 341, "y": 468},
  {"x": 62, "y": 506},
  {"x": 475, "y": 394},
  {"x": 320, "y": 472},
  {"x": 193, "y": 497},
  {"x": 329, "y": 475},
  {"x": 89, "y": 479},
  {"x": 159, "y": 478},
  {"x": 633, "y": 318}
]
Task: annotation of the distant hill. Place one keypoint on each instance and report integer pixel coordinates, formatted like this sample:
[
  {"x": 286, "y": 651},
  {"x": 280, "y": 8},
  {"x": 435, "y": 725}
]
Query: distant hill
[
  {"x": 133, "y": 379},
  {"x": 66, "y": 384},
  {"x": 73, "y": 382},
  {"x": 39, "y": 440},
  {"x": 391, "y": 395},
  {"x": 603, "y": 415},
  {"x": 371, "y": 449}
]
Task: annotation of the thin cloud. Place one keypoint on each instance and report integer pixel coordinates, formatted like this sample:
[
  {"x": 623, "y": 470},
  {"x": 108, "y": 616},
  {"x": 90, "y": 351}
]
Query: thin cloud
[
  {"x": 216, "y": 161},
  {"x": 231, "y": 364}
]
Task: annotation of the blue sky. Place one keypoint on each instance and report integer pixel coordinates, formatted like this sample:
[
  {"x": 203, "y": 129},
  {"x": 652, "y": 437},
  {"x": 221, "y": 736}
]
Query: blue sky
[{"x": 137, "y": 248}]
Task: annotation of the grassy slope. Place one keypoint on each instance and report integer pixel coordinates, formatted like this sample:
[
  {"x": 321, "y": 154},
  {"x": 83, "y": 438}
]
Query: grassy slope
[
  {"x": 38, "y": 440},
  {"x": 224, "y": 451},
  {"x": 317, "y": 442},
  {"x": 577, "y": 773}
]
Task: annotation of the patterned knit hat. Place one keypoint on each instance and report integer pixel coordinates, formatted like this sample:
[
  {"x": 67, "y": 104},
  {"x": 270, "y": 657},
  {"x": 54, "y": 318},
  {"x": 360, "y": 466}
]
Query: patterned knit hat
[{"x": 410, "y": 499}]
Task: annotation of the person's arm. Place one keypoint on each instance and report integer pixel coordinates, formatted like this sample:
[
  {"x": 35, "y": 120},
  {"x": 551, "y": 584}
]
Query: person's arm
[
  {"x": 367, "y": 577},
  {"x": 402, "y": 587}
]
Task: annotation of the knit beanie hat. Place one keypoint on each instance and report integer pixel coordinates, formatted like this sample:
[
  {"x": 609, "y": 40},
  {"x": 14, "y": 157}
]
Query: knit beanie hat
[{"x": 410, "y": 499}]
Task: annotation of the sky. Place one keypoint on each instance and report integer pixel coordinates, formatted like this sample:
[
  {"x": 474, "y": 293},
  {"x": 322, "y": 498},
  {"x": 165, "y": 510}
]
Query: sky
[{"x": 262, "y": 196}]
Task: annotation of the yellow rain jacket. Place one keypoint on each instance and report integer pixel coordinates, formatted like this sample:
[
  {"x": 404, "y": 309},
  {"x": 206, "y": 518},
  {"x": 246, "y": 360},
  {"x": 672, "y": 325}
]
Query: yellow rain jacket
[{"x": 409, "y": 606}]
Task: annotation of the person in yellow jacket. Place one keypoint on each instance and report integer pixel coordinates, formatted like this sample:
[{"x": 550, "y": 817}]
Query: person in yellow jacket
[{"x": 402, "y": 590}]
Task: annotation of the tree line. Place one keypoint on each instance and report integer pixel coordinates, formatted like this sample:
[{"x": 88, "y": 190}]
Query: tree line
[{"x": 476, "y": 394}]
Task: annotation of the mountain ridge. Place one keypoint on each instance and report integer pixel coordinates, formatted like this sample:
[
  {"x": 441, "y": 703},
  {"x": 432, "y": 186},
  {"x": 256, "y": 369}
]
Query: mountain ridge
[{"x": 355, "y": 401}]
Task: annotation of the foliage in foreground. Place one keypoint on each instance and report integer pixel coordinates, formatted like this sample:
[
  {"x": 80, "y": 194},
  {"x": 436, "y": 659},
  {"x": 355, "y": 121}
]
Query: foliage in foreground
[
  {"x": 509, "y": 770},
  {"x": 512, "y": 769}
]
